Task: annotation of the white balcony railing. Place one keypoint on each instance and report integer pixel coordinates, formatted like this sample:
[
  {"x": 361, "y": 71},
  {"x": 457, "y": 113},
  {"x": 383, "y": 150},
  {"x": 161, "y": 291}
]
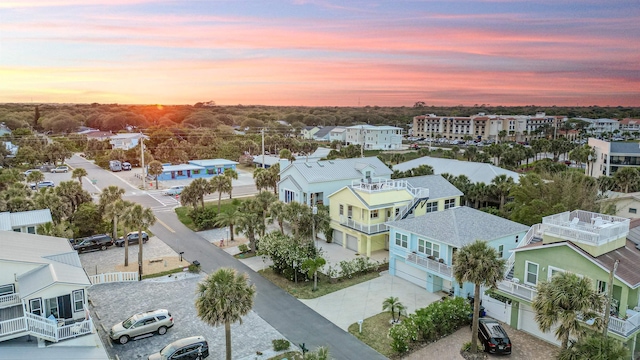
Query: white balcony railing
[
  {"x": 586, "y": 227},
  {"x": 364, "y": 228},
  {"x": 522, "y": 291},
  {"x": 432, "y": 265},
  {"x": 31, "y": 324},
  {"x": 379, "y": 185},
  {"x": 9, "y": 300},
  {"x": 113, "y": 277},
  {"x": 626, "y": 326}
]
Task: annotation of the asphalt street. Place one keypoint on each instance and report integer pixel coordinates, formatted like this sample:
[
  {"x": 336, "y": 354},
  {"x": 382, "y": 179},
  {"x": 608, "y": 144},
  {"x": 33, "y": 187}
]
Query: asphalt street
[{"x": 297, "y": 322}]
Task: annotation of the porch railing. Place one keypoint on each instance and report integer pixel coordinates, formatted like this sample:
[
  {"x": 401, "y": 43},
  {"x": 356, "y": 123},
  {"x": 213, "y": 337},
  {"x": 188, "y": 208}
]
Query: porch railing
[
  {"x": 364, "y": 228},
  {"x": 429, "y": 264},
  {"x": 113, "y": 277},
  {"x": 624, "y": 327},
  {"x": 525, "y": 292},
  {"x": 9, "y": 300},
  {"x": 43, "y": 328}
]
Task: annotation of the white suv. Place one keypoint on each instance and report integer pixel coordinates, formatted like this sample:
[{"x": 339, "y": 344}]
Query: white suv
[{"x": 157, "y": 321}]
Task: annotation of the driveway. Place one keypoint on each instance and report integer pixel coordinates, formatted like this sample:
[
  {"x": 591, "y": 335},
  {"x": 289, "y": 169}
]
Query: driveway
[
  {"x": 115, "y": 302},
  {"x": 525, "y": 346}
]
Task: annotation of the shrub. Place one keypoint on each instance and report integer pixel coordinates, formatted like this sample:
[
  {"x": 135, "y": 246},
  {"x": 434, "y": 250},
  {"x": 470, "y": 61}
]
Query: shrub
[
  {"x": 193, "y": 268},
  {"x": 400, "y": 337},
  {"x": 203, "y": 219},
  {"x": 280, "y": 344},
  {"x": 243, "y": 248},
  {"x": 347, "y": 268}
]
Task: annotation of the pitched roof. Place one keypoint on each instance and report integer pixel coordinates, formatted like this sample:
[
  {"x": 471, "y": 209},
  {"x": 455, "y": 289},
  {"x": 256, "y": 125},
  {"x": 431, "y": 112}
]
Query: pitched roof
[
  {"x": 339, "y": 169},
  {"x": 460, "y": 226},
  {"x": 8, "y": 220},
  {"x": 59, "y": 263},
  {"x": 438, "y": 186},
  {"x": 476, "y": 172},
  {"x": 324, "y": 131}
]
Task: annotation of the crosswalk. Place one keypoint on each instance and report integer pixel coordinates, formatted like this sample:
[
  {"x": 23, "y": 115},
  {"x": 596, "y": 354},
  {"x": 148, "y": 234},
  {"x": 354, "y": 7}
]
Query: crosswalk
[{"x": 164, "y": 199}]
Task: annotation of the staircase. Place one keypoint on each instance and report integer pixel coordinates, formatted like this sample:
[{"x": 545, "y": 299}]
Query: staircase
[
  {"x": 534, "y": 235},
  {"x": 419, "y": 194}
]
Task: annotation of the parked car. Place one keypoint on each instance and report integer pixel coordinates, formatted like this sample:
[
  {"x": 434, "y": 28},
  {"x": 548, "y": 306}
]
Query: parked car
[
  {"x": 191, "y": 348},
  {"x": 133, "y": 238},
  {"x": 126, "y": 166},
  {"x": 26, "y": 173},
  {"x": 60, "y": 169},
  {"x": 42, "y": 184},
  {"x": 174, "y": 190},
  {"x": 155, "y": 321},
  {"x": 493, "y": 336},
  {"x": 91, "y": 243}
]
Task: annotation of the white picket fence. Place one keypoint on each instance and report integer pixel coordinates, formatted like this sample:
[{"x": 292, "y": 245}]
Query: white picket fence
[{"x": 113, "y": 277}]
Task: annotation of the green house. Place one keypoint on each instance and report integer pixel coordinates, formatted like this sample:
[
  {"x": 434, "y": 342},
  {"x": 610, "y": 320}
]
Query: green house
[{"x": 584, "y": 243}]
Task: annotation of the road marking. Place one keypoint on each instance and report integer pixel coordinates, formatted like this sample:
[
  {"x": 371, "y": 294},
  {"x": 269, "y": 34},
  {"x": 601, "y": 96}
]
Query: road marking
[
  {"x": 165, "y": 225},
  {"x": 92, "y": 184}
]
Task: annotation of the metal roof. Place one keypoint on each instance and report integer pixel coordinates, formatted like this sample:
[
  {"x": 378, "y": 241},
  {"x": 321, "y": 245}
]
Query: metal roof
[
  {"x": 339, "y": 169},
  {"x": 438, "y": 186},
  {"x": 181, "y": 167},
  {"x": 213, "y": 162},
  {"x": 460, "y": 226},
  {"x": 475, "y": 171},
  {"x": 625, "y": 147},
  {"x": 8, "y": 220}
]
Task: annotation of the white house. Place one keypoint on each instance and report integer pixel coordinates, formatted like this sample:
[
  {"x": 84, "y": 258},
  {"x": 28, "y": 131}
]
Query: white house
[
  {"x": 475, "y": 171},
  {"x": 43, "y": 289},
  {"x": 612, "y": 156},
  {"x": 338, "y": 133},
  {"x": 312, "y": 182},
  {"x": 126, "y": 141},
  {"x": 24, "y": 221},
  {"x": 375, "y": 137}
]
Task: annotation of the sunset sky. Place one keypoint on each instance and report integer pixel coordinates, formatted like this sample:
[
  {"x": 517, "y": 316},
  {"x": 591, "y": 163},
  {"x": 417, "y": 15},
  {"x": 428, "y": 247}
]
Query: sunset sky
[{"x": 321, "y": 52}]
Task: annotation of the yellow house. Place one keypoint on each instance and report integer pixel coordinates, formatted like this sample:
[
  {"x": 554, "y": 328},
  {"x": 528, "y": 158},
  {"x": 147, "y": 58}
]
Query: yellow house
[{"x": 359, "y": 211}]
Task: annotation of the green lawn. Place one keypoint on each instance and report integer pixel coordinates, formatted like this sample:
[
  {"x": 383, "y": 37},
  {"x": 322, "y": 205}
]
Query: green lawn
[
  {"x": 374, "y": 333},
  {"x": 304, "y": 289}
]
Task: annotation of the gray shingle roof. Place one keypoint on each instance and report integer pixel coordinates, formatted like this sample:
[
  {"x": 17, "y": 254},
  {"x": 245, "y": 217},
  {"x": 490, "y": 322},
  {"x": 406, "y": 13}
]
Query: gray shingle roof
[
  {"x": 339, "y": 169},
  {"x": 438, "y": 186},
  {"x": 323, "y": 131},
  {"x": 476, "y": 172},
  {"x": 625, "y": 147},
  {"x": 459, "y": 226}
]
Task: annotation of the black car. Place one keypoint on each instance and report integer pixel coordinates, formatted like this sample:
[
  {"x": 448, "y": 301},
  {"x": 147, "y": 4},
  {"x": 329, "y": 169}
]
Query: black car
[
  {"x": 191, "y": 348},
  {"x": 95, "y": 242},
  {"x": 493, "y": 337},
  {"x": 133, "y": 238}
]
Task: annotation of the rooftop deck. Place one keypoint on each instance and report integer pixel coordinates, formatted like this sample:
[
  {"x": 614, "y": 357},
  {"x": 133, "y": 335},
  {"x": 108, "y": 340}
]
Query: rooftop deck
[{"x": 586, "y": 227}]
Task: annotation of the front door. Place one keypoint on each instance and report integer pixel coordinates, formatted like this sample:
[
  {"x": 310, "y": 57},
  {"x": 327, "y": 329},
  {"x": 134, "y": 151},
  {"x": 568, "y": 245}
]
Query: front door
[{"x": 59, "y": 307}]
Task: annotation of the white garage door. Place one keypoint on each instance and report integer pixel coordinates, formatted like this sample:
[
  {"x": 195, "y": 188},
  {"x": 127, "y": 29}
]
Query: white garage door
[
  {"x": 497, "y": 309},
  {"x": 527, "y": 322},
  {"x": 411, "y": 274},
  {"x": 337, "y": 237},
  {"x": 352, "y": 242}
]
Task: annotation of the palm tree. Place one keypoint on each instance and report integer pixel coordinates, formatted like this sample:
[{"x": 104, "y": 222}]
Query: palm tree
[
  {"x": 393, "y": 305},
  {"x": 626, "y": 178},
  {"x": 57, "y": 230},
  {"x": 233, "y": 174},
  {"x": 480, "y": 264},
  {"x": 223, "y": 298},
  {"x": 46, "y": 198},
  {"x": 595, "y": 346},
  {"x": 220, "y": 184},
  {"x": 277, "y": 213},
  {"x": 108, "y": 198},
  {"x": 264, "y": 199},
  {"x": 155, "y": 169},
  {"x": 228, "y": 218},
  {"x": 138, "y": 217},
  {"x": 200, "y": 187},
  {"x": 312, "y": 265},
  {"x": 502, "y": 185},
  {"x": 79, "y": 173},
  {"x": 563, "y": 301},
  {"x": 73, "y": 193},
  {"x": 35, "y": 177},
  {"x": 250, "y": 222}
]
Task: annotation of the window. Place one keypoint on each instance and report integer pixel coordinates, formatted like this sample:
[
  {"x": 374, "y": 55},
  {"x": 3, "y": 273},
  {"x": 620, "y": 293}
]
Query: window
[
  {"x": 449, "y": 203},
  {"x": 402, "y": 240},
  {"x": 31, "y": 229},
  {"x": 341, "y": 209},
  {"x": 397, "y": 212},
  {"x": 501, "y": 250},
  {"x": 350, "y": 211},
  {"x": 517, "y": 236},
  {"x": 52, "y": 305},
  {"x": 288, "y": 196},
  {"x": 78, "y": 300},
  {"x": 374, "y": 214},
  {"x": 428, "y": 248},
  {"x": 531, "y": 273},
  {"x": 7, "y": 289},
  {"x": 36, "y": 306},
  {"x": 601, "y": 287},
  {"x": 553, "y": 271},
  {"x": 432, "y": 206},
  {"x": 195, "y": 172},
  {"x": 633, "y": 211}
]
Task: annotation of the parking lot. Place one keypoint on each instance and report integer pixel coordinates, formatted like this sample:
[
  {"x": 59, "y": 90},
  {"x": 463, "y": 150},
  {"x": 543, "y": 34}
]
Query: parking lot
[{"x": 115, "y": 302}]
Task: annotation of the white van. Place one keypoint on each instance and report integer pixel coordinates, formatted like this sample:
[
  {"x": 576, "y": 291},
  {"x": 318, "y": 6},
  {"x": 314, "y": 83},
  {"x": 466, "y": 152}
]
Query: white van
[{"x": 174, "y": 190}]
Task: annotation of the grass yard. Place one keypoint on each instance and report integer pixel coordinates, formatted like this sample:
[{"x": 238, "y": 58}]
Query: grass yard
[
  {"x": 304, "y": 289},
  {"x": 374, "y": 333}
]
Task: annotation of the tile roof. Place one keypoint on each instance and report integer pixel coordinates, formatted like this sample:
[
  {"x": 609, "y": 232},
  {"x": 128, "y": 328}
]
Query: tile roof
[
  {"x": 438, "y": 186},
  {"x": 460, "y": 226},
  {"x": 476, "y": 172},
  {"x": 339, "y": 169}
]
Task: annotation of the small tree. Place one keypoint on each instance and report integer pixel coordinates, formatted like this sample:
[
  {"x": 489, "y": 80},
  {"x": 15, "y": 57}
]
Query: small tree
[
  {"x": 393, "y": 305},
  {"x": 311, "y": 266},
  {"x": 35, "y": 177},
  {"x": 79, "y": 173},
  {"x": 155, "y": 169}
]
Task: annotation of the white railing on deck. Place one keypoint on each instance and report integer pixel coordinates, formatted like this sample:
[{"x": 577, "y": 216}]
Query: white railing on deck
[
  {"x": 533, "y": 231},
  {"x": 41, "y": 327},
  {"x": 9, "y": 300},
  {"x": 586, "y": 227},
  {"x": 365, "y": 228},
  {"x": 75, "y": 329},
  {"x": 12, "y": 326},
  {"x": 113, "y": 277},
  {"x": 525, "y": 292},
  {"x": 433, "y": 265}
]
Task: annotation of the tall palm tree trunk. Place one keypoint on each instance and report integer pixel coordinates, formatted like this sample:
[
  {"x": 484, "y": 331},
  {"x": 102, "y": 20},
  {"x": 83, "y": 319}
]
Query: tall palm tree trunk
[
  {"x": 219, "y": 199},
  {"x": 231, "y": 231},
  {"x": 475, "y": 319},
  {"x": 140, "y": 242},
  {"x": 115, "y": 227},
  {"x": 227, "y": 338},
  {"x": 126, "y": 252}
]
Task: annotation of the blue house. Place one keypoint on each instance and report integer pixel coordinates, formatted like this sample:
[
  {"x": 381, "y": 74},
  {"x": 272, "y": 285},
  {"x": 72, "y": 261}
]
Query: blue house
[
  {"x": 421, "y": 249},
  {"x": 196, "y": 169}
]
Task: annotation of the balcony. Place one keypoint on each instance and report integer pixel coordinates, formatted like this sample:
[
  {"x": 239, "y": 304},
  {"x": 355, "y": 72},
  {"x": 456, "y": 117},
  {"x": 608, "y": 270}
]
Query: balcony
[
  {"x": 524, "y": 292},
  {"x": 586, "y": 227},
  {"x": 431, "y": 265},
  {"x": 363, "y": 228},
  {"x": 380, "y": 185}
]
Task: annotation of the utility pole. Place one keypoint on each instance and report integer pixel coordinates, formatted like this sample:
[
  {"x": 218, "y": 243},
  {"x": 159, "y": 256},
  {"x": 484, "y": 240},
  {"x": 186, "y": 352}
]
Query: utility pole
[
  {"x": 607, "y": 310},
  {"x": 144, "y": 178},
  {"x": 262, "y": 131}
]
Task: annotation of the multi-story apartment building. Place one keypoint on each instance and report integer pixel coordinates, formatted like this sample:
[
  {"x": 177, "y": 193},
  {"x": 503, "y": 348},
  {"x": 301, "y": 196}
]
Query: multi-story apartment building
[
  {"x": 629, "y": 125},
  {"x": 375, "y": 137},
  {"x": 599, "y": 126},
  {"x": 611, "y": 156}
]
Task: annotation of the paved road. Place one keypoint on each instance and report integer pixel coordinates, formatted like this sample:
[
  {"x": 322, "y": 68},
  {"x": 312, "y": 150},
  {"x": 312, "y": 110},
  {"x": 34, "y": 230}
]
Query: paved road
[{"x": 286, "y": 314}]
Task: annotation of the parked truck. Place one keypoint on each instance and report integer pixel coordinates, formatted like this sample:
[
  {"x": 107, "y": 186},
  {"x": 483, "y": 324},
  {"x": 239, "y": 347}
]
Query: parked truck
[{"x": 115, "y": 165}]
